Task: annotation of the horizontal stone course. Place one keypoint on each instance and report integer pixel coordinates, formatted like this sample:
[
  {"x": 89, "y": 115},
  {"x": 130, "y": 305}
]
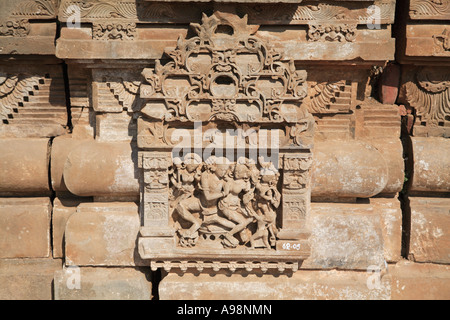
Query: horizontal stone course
[{"x": 74, "y": 283}]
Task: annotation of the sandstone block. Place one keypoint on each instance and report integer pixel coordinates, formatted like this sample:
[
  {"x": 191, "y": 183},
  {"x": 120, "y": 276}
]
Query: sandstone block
[
  {"x": 354, "y": 236},
  {"x": 431, "y": 165},
  {"x": 302, "y": 285},
  {"x": 102, "y": 169},
  {"x": 27, "y": 279},
  {"x": 25, "y": 227},
  {"x": 391, "y": 226},
  {"x": 347, "y": 169},
  {"x": 103, "y": 234},
  {"x": 430, "y": 225},
  {"x": 63, "y": 208},
  {"x": 24, "y": 167},
  {"x": 76, "y": 283},
  {"x": 420, "y": 281}
]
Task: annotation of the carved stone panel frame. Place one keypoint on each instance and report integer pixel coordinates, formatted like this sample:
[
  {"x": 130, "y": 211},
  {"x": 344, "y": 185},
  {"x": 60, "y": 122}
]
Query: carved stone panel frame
[{"x": 209, "y": 203}]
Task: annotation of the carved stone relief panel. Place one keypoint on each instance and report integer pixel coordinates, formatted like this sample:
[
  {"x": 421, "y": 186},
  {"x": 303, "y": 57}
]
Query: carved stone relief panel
[{"x": 225, "y": 153}]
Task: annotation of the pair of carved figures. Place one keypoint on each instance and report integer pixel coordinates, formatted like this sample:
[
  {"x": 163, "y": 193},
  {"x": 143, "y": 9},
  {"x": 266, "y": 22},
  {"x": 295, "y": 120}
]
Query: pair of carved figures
[{"x": 234, "y": 203}]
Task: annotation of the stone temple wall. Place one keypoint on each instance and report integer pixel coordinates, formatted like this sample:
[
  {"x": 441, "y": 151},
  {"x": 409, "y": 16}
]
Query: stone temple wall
[{"x": 246, "y": 149}]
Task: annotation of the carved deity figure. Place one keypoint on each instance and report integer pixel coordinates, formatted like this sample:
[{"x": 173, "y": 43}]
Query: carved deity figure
[
  {"x": 268, "y": 199},
  {"x": 233, "y": 207}
]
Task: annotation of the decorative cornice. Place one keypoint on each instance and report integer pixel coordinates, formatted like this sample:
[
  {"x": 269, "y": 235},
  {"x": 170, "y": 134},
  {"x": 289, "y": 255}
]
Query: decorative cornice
[{"x": 293, "y": 12}]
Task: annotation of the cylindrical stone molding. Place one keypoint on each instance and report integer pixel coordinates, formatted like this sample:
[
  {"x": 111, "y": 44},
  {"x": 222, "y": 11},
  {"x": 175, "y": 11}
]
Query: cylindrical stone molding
[
  {"x": 392, "y": 152},
  {"x": 347, "y": 169},
  {"x": 24, "y": 165},
  {"x": 61, "y": 147},
  {"x": 102, "y": 170}
]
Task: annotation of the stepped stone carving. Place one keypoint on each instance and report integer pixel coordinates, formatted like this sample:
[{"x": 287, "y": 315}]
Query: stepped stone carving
[{"x": 32, "y": 102}]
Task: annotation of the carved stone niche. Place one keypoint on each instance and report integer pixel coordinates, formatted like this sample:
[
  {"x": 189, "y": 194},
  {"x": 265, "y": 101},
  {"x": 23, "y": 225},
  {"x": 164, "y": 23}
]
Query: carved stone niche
[{"x": 225, "y": 154}]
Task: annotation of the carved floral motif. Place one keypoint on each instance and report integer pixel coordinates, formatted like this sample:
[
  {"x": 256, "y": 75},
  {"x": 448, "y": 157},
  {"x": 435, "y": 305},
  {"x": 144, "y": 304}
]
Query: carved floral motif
[
  {"x": 16, "y": 28},
  {"x": 332, "y": 33},
  {"x": 443, "y": 40},
  {"x": 114, "y": 31}
]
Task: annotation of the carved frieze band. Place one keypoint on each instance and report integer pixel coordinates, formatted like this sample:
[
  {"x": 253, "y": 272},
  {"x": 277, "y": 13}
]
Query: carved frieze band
[
  {"x": 430, "y": 9},
  {"x": 36, "y": 9},
  {"x": 300, "y": 13},
  {"x": 249, "y": 266}
]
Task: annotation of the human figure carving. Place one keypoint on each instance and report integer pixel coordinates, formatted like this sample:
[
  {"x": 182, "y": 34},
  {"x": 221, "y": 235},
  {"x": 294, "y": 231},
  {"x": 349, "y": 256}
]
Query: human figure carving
[
  {"x": 211, "y": 185},
  {"x": 268, "y": 199},
  {"x": 233, "y": 207}
]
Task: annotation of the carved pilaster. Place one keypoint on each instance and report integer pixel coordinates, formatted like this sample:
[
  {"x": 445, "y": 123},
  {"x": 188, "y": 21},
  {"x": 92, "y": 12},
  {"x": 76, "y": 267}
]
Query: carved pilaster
[{"x": 155, "y": 192}]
